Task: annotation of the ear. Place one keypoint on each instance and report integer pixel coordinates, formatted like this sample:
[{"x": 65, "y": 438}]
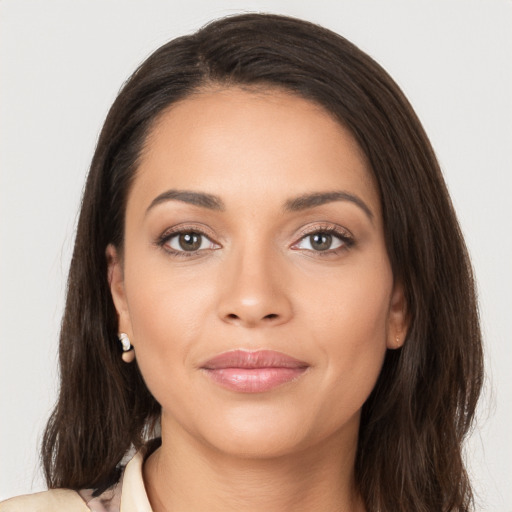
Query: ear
[
  {"x": 115, "y": 278},
  {"x": 398, "y": 317}
]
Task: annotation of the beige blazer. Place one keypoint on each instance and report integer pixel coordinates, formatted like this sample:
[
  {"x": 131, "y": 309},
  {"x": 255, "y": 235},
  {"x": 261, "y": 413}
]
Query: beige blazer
[
  {"x": 53, "y": 500},
  {"x": 128, "y": 496}
]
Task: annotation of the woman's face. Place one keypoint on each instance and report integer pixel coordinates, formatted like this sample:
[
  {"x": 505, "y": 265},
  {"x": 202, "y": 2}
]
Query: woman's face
[{"x": 255, "y": 284}]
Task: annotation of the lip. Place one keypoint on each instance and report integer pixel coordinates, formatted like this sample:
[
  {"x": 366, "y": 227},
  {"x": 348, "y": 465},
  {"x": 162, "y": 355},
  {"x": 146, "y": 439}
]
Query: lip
[{"x": 258, "y": 371}]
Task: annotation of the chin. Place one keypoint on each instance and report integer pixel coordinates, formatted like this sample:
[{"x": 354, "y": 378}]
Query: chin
[
  {"x": 258, "y": 444},
  {"x": 265, "y": 432}
]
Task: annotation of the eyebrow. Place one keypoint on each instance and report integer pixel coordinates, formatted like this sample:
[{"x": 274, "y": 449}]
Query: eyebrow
[
  {"x": 186, "y": 196},
  {"x": 307, "y": 201},
  {"x": 295, "y": 204}
]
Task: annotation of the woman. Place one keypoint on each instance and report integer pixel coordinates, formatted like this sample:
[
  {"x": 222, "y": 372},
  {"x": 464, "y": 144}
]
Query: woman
[{"x": 270, "y": 299}]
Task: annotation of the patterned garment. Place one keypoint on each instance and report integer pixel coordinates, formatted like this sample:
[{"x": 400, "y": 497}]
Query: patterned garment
[
  {"x": 108, "y": 501},
  {"x": 128, "y": 495},
  {"x": 130, "y": 486}
]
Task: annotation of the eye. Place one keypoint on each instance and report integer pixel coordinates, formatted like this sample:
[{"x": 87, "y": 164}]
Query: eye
[
  {"x": 319, "y": 242},
  {"x": 188, "y": 241},
  {"x": 324, "y": 241}
]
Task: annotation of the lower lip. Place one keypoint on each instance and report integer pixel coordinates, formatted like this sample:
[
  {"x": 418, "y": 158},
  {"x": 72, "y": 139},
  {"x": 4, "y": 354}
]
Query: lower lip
[{"x": 253, "y": 380}]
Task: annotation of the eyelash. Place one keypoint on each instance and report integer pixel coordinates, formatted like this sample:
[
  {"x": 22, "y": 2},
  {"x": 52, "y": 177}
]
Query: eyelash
[
  {"x": 341, "y": 234},
  {"x": 328, "y": 229},
  {"x": 168, "y": 235}
]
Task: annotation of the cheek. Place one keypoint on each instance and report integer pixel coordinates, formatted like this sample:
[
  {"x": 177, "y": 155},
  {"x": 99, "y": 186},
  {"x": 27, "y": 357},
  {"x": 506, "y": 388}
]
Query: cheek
[
  {"x": 350, "y": 321},
  {"x": 166, "y": 309},
  {"x": 165, "y": 299},
  {"x": 352, "y": 303}
]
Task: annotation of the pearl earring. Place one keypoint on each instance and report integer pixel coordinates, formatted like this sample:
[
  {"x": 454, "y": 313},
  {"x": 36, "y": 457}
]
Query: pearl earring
[{"x": 128, "y": 352}]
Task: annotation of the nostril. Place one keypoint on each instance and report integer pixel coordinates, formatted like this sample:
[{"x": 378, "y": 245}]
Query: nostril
[
  {"x": 232, "y": 316},
  {"x": 270, "y": 316}
]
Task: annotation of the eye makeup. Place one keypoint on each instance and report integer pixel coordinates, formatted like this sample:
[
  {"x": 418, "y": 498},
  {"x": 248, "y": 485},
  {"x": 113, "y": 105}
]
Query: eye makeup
[{"x": 323, "y": 240}]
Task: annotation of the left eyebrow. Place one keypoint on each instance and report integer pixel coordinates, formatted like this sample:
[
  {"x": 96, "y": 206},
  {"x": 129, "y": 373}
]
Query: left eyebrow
[{"x": 307, "y": 201}]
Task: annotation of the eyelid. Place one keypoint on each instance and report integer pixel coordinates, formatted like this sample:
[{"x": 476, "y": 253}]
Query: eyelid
[
  {"x": 324, "y": 227},
  {"x": 187, "y": 227},
  {"x": 336, "y": 230},
  {"x": 183, "y": 228}
]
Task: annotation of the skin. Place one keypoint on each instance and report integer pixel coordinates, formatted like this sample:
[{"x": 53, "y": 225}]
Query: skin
[{"x": 257, "y": 282}]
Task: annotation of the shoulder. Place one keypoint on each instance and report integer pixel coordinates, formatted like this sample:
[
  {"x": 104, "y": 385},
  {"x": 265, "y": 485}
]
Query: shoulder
[
  {"x": 64, "y": 500},
  {"x": 130, "y": 486}
]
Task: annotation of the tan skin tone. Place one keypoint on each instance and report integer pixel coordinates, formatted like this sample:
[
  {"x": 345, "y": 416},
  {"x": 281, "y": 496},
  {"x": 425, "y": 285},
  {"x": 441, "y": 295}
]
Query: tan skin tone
[{"x": 310, "y": 281}]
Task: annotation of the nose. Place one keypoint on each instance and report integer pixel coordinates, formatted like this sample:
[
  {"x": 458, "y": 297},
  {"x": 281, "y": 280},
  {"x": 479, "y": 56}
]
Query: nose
[{"x": 254, "y": 291}]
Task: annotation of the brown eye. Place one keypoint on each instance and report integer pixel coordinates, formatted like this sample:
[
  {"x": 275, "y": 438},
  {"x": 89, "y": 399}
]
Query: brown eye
[
  {"x": 189, "y": 241},
  {"x": 320, "y": 241},
  {"x": 323, "y": 241}
]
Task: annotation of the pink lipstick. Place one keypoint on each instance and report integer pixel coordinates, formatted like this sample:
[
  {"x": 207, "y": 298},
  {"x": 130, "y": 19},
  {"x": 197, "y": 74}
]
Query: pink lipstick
[{"x": 253, "y": 372}]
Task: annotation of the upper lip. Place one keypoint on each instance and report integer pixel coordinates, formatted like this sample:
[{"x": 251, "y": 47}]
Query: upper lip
[{"x": 252, "y": 359}]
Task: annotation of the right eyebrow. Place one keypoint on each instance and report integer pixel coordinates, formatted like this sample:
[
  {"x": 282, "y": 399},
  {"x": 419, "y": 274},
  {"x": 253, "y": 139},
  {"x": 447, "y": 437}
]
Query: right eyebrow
[{"x": 187, "y": 196}]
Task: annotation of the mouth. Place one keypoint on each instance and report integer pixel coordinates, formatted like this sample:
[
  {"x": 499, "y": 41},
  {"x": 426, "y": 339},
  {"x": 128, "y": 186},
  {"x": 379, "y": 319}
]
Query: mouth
[{"x": 253, "y": 371}]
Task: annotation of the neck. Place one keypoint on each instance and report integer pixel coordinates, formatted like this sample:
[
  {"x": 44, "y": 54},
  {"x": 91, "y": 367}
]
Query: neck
[{"x": 184, "y": 474}]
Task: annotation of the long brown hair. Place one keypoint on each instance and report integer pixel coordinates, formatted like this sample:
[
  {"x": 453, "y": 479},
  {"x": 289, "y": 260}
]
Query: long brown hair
[{"x": 414, "y": 422}]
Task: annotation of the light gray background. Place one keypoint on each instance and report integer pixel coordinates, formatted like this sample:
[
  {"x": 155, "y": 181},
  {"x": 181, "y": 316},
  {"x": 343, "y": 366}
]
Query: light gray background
[{"x": 61, "y": 65}]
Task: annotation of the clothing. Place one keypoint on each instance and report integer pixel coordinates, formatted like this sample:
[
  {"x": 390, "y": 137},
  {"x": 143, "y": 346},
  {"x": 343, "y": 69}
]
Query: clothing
[{"x": 128, "y": 495}]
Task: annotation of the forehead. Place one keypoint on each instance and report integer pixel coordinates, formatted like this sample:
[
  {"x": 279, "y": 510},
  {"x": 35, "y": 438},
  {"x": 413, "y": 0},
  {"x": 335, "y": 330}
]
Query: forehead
[{"x": 248, "y": 144}]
